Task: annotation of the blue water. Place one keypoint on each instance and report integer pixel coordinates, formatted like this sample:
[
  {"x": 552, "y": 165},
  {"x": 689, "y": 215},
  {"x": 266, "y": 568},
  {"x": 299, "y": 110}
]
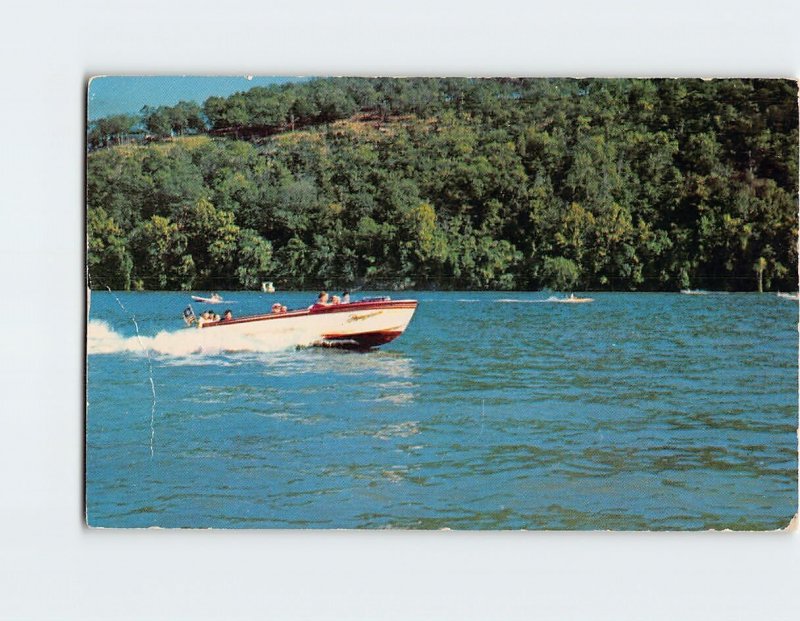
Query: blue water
[{"x": 493, "y": 411}]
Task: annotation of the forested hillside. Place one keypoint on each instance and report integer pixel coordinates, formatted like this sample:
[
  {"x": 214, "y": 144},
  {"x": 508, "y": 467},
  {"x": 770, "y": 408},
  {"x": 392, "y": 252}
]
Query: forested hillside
[{"x": 452, "y": 183}]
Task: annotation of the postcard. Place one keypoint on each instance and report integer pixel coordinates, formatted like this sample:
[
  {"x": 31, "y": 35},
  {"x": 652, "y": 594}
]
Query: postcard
[{"x": 442, "y": 303}]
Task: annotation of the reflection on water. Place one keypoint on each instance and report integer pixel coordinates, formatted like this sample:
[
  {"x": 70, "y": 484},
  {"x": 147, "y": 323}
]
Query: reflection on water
[{"x": 637, "y": 411}]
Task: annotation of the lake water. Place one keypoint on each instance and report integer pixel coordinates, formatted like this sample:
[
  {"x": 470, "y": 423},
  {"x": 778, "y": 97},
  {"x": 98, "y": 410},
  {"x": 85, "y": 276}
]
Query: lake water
[{"x": 492, "y": 411}]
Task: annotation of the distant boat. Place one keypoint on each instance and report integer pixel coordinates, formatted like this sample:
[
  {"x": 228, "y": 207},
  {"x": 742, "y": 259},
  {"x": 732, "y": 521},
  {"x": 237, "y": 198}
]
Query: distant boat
[
  {"x": 571, "y": 299},
  {"x": 268, "y": 287},
  {"x": 789, "y": 296},
  {"x": 694, "y": 292},
  {"x": 214, "y": 298}
]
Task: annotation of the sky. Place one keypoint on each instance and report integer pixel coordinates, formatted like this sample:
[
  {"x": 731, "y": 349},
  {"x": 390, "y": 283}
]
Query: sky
[{"x": 127, "y": 94}]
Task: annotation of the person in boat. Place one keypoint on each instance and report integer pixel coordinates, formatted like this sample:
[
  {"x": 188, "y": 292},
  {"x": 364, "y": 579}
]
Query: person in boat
[
  {"x": 322, "y": 300},
  {"x": 284, "y": 309},
  {"x": 276, "y": 308},
  {"x": 346, "y": 297},
  {"x": 227, "y": 315},
  {"x": 335, "y": 300}
]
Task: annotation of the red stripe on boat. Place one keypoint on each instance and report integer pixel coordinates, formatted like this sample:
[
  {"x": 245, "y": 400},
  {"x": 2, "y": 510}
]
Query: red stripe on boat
[{"x": 363, "y": 340}]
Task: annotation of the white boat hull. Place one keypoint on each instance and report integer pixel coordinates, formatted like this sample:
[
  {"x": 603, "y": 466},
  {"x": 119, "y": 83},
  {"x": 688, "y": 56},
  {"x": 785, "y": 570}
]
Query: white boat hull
[
  {"x": 197, "y": 298},
  {"x": 360, "y": 325}
]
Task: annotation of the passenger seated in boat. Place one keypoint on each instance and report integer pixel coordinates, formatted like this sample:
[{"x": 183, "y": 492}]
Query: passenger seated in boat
[
  {"x": 346, "y": 297},
  {"x": 227, "y": 315},
  {"x": 284, "y": 309},
  {"x": 276, "y": 308},
  {"x": 335, "y": 300},
  {"x": 322, "y": 300}
]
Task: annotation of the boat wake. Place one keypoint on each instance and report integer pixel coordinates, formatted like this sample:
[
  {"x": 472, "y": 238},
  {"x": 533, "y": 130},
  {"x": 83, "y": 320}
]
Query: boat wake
[
  {"x": 551, "y": 300},
  {"x": 102, "y": 339}
]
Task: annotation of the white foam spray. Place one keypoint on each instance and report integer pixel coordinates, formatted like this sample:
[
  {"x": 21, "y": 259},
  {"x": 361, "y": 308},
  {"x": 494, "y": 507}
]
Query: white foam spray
[{"x": 102, "y": 339}]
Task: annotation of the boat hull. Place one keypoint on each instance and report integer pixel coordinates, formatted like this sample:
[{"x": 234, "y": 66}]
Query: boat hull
[
  {"x": 359, "y": 325},
  {"x": 197, "y": 298}
]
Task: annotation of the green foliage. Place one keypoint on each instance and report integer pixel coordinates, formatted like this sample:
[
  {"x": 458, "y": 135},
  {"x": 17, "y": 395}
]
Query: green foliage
[
  {"x": 108, "y": 260},
  {"x": 161, "y": 259},
  {"x": 254, "y": 259},
  {"x": 212, "y": 242},
  {"x": 559, "y": 273},
  {"x": 452, "y": 183},
  {"x": 157, "y": 121},
  {"x": 111, "y": 130}
]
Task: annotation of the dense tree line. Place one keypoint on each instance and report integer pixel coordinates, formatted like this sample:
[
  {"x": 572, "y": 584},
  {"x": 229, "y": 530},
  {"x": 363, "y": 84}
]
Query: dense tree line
[
  {"x": 453, "y": 183},
  {"x": 151, "y": 124}
]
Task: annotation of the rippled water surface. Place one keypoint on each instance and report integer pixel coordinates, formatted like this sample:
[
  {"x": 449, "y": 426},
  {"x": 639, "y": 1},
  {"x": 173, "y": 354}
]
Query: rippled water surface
[{"x": 494, "y": 410}]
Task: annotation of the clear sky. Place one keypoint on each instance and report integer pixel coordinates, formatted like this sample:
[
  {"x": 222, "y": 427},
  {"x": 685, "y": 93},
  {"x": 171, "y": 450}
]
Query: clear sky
[{"x": 127, "y": 94}]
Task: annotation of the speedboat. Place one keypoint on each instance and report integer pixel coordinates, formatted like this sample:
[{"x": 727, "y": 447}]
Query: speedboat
[
  {"x": 364, "y": 324},
  {"x": 789, "y": 296},
  {"x": 268, "y": 287},
  {"x": 215, "y": 298},
  {"x": 693, "y": 292},
  {"x": 573, "y": 300},
  {"x": 570, "y": 299}
]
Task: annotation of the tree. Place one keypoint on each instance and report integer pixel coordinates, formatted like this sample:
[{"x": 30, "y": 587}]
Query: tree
[
  {"x": 560, "y": 273},
  {"x": 157, "y": 121},
  {"x": 162, "y": 261},
  {"x": 212, "y": 242},
  {"x": 109, "y": 262},
  {"x": 254, "y": 257},
  {"x": 111, "y": 129},
  {"x": 473, "y": 183},
  {"x": 175, "y": 179},
  {"x": 425, "y": 247},
  {"x": 759, "y": 267},
  {"x": 266, "y": 107},
  {"x": 215, "y": 109}
]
